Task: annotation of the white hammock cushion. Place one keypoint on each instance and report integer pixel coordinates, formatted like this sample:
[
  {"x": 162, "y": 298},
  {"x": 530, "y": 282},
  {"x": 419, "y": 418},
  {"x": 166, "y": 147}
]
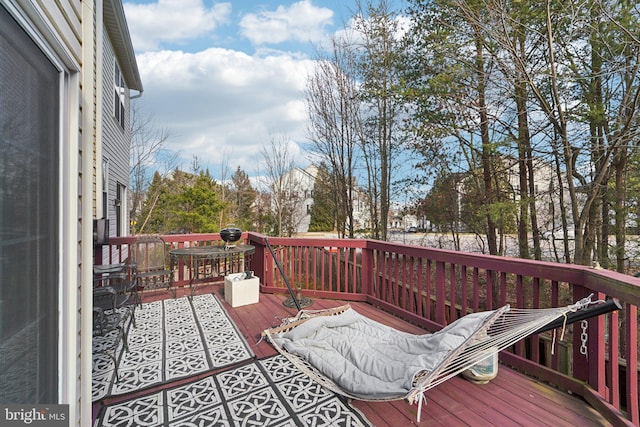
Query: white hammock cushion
[
  {"x": 372, "y": 361},
  {"x": 364, "y": 359}
]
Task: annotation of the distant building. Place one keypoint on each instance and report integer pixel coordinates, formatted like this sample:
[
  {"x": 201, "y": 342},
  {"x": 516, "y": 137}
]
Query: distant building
[
  {"x": 361, "y": 211},
  {"x": 546, "y": 193},
  {"x": 303, "y": 180}
]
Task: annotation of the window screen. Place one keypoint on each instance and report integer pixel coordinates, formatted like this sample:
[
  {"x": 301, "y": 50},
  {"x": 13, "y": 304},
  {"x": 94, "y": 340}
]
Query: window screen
[{"x": 29, "y": 142}]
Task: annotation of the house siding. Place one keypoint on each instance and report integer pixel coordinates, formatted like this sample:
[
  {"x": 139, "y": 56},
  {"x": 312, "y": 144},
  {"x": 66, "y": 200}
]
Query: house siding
[
  {"x": 56, "y": 28},
  {"x": 65, "y": 17},
  {"x": 86, "y": 207},
  {"x": 115, "y": 140},
  {"x": 79, "y": 40}
]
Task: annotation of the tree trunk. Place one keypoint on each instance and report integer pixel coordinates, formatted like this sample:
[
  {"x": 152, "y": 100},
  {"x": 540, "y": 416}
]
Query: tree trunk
[
  {"x": 620, "y": 197},
  {"x": 487, "y": 150},
  {"x": 523, "y": 143}
]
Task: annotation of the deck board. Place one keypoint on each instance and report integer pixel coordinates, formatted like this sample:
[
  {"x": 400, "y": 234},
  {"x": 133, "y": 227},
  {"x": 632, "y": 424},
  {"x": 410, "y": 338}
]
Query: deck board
[
  {"x": 512, "y": 399},
  {"x": 513, "y": 409},
  {"x": 559, "y": 407}
]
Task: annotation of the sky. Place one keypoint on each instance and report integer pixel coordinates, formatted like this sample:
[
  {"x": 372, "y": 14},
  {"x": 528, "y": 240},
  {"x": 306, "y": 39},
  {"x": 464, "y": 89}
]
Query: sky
[{"x": 227, "y": 78}]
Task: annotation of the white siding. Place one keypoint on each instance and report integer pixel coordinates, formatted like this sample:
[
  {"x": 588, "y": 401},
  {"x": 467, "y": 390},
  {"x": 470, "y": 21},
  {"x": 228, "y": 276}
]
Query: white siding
[
  {"x": 72, "y": 34},
  {"x": 56, "y": 28},
  {"x": 115, "y": 140}
]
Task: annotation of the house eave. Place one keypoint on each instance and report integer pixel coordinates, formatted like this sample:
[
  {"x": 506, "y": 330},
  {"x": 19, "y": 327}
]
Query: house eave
[{"x": 116, "y": 26}]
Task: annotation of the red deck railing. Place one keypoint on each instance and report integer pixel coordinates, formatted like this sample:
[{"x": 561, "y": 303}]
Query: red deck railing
[{"x": 433, "y": 287}]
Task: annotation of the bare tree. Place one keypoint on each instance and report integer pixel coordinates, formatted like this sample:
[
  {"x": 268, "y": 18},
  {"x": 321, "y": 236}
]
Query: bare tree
[
  {"x": 378, "y": 54},
  {"x": 146, "y": 154},
  {"x": 335, "y": 125},
  {"x": 570, "y": 71},
  {"x": 284, "y": 185}
]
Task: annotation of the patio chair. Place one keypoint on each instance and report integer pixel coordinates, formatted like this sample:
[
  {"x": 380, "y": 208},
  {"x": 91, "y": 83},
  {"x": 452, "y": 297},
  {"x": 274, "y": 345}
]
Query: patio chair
[
  {"x": 149, "y": 265},
  {"x": 117, "y": 276},
  {"x": 110, "y": 298},
  {"x": 109, "y": 324}
]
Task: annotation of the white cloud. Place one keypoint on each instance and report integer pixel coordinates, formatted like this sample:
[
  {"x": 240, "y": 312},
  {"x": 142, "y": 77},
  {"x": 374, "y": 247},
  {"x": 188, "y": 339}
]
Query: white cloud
[
  {"x": 302, "y": 21},
  {"x": 222, "y": 104},
  {"x": 175, "y": 21}
]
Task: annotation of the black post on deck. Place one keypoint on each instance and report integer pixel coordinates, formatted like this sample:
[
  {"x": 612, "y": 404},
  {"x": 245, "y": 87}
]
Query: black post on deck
[{"x": 286, "y": 281}]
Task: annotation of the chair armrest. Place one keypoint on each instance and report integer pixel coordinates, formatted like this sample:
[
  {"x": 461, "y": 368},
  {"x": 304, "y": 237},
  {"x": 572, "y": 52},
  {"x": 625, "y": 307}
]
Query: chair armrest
[
  {"x": 104, "y": 291},
  {"x": 108, "y": 268},
  {"x": 105, "y": 298}
]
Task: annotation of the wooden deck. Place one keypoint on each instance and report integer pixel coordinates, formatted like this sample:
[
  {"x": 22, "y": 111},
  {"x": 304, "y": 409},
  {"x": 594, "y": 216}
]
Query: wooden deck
[
  {"x": 511, "y": 399},
  {"x": 430, "y": 286}
]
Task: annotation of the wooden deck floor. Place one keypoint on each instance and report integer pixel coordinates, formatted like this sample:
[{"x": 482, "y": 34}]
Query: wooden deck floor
[{"x": 511, "y": 399}]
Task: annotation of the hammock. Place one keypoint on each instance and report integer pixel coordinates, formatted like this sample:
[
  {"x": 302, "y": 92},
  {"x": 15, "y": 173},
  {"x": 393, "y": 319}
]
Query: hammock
[{"x": 363, "y": 359}]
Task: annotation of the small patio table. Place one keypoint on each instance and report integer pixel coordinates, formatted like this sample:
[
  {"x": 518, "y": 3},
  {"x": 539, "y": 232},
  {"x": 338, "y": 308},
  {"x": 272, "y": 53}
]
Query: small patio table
[{"x": 207, "y": 262}]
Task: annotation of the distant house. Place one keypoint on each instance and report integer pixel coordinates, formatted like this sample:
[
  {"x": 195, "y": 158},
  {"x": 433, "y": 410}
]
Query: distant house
[
  {"x": 548, "y": 196},
  {"x": 302, "y": 182},
  {"x": 305, "y": 180},
  {"x": 67, "y": 70},
  {"x": 361, "y": 209}
]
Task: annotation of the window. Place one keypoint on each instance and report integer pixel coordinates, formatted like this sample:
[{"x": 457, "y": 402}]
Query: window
[
  {"x": 105, "y": 187},
  {"x": 120, "y": 203},
  {"x": 29, "y": 223},
  {"x": 118, "y": 94}
]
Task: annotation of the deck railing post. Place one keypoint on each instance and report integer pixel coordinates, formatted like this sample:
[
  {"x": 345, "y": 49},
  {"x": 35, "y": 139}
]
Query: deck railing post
[
  {"x": 268, "y": 263},
  {"x": 367, "y": 269},
  {"x": 631, "y": 355},
  {"x": 258, "y": 260},
  {"x": 97, "y": 254},
  {"x": 597, "y": 351},
  {"x": 440, "y": 293}
]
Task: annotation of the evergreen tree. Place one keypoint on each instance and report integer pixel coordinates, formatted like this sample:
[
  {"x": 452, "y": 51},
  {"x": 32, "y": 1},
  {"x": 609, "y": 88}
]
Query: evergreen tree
[
  {"x": 441, "y": 206},
  {"x": 196, "y": 205},
  {"x": 181, "y": 203},
  {"x": 242, "y": 199},
  {"x": 324, "y": 211}
]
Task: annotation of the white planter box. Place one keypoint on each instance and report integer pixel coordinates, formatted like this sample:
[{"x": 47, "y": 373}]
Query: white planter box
[{"x": 238, "y": 292}]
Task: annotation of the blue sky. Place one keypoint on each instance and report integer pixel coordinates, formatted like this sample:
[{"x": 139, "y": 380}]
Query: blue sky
[{"x": 227, "y": 77}]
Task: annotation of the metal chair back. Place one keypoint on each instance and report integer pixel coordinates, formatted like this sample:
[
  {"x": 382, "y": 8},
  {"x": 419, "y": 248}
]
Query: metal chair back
[
  {"x": 150, "y": 264},
  {"x": 149, "y": 254}
]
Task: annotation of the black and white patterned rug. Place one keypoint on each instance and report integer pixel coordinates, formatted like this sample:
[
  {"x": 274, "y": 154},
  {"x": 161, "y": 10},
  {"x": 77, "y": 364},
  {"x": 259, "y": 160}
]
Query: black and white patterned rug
[
  {"x": 268, "y": 392},
  {"x": 172, "y": 339}
]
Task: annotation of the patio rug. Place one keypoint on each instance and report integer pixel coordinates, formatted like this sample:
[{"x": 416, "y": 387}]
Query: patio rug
[
  {"x": 267, "y": 392},
  {"x": 172, "y": 339}
]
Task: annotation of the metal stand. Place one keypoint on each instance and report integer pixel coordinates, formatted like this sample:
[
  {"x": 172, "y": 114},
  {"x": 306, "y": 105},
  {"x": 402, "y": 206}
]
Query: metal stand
[
  {"x": 294, "y": 300},
  {"x": 299, "y": 302}
]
